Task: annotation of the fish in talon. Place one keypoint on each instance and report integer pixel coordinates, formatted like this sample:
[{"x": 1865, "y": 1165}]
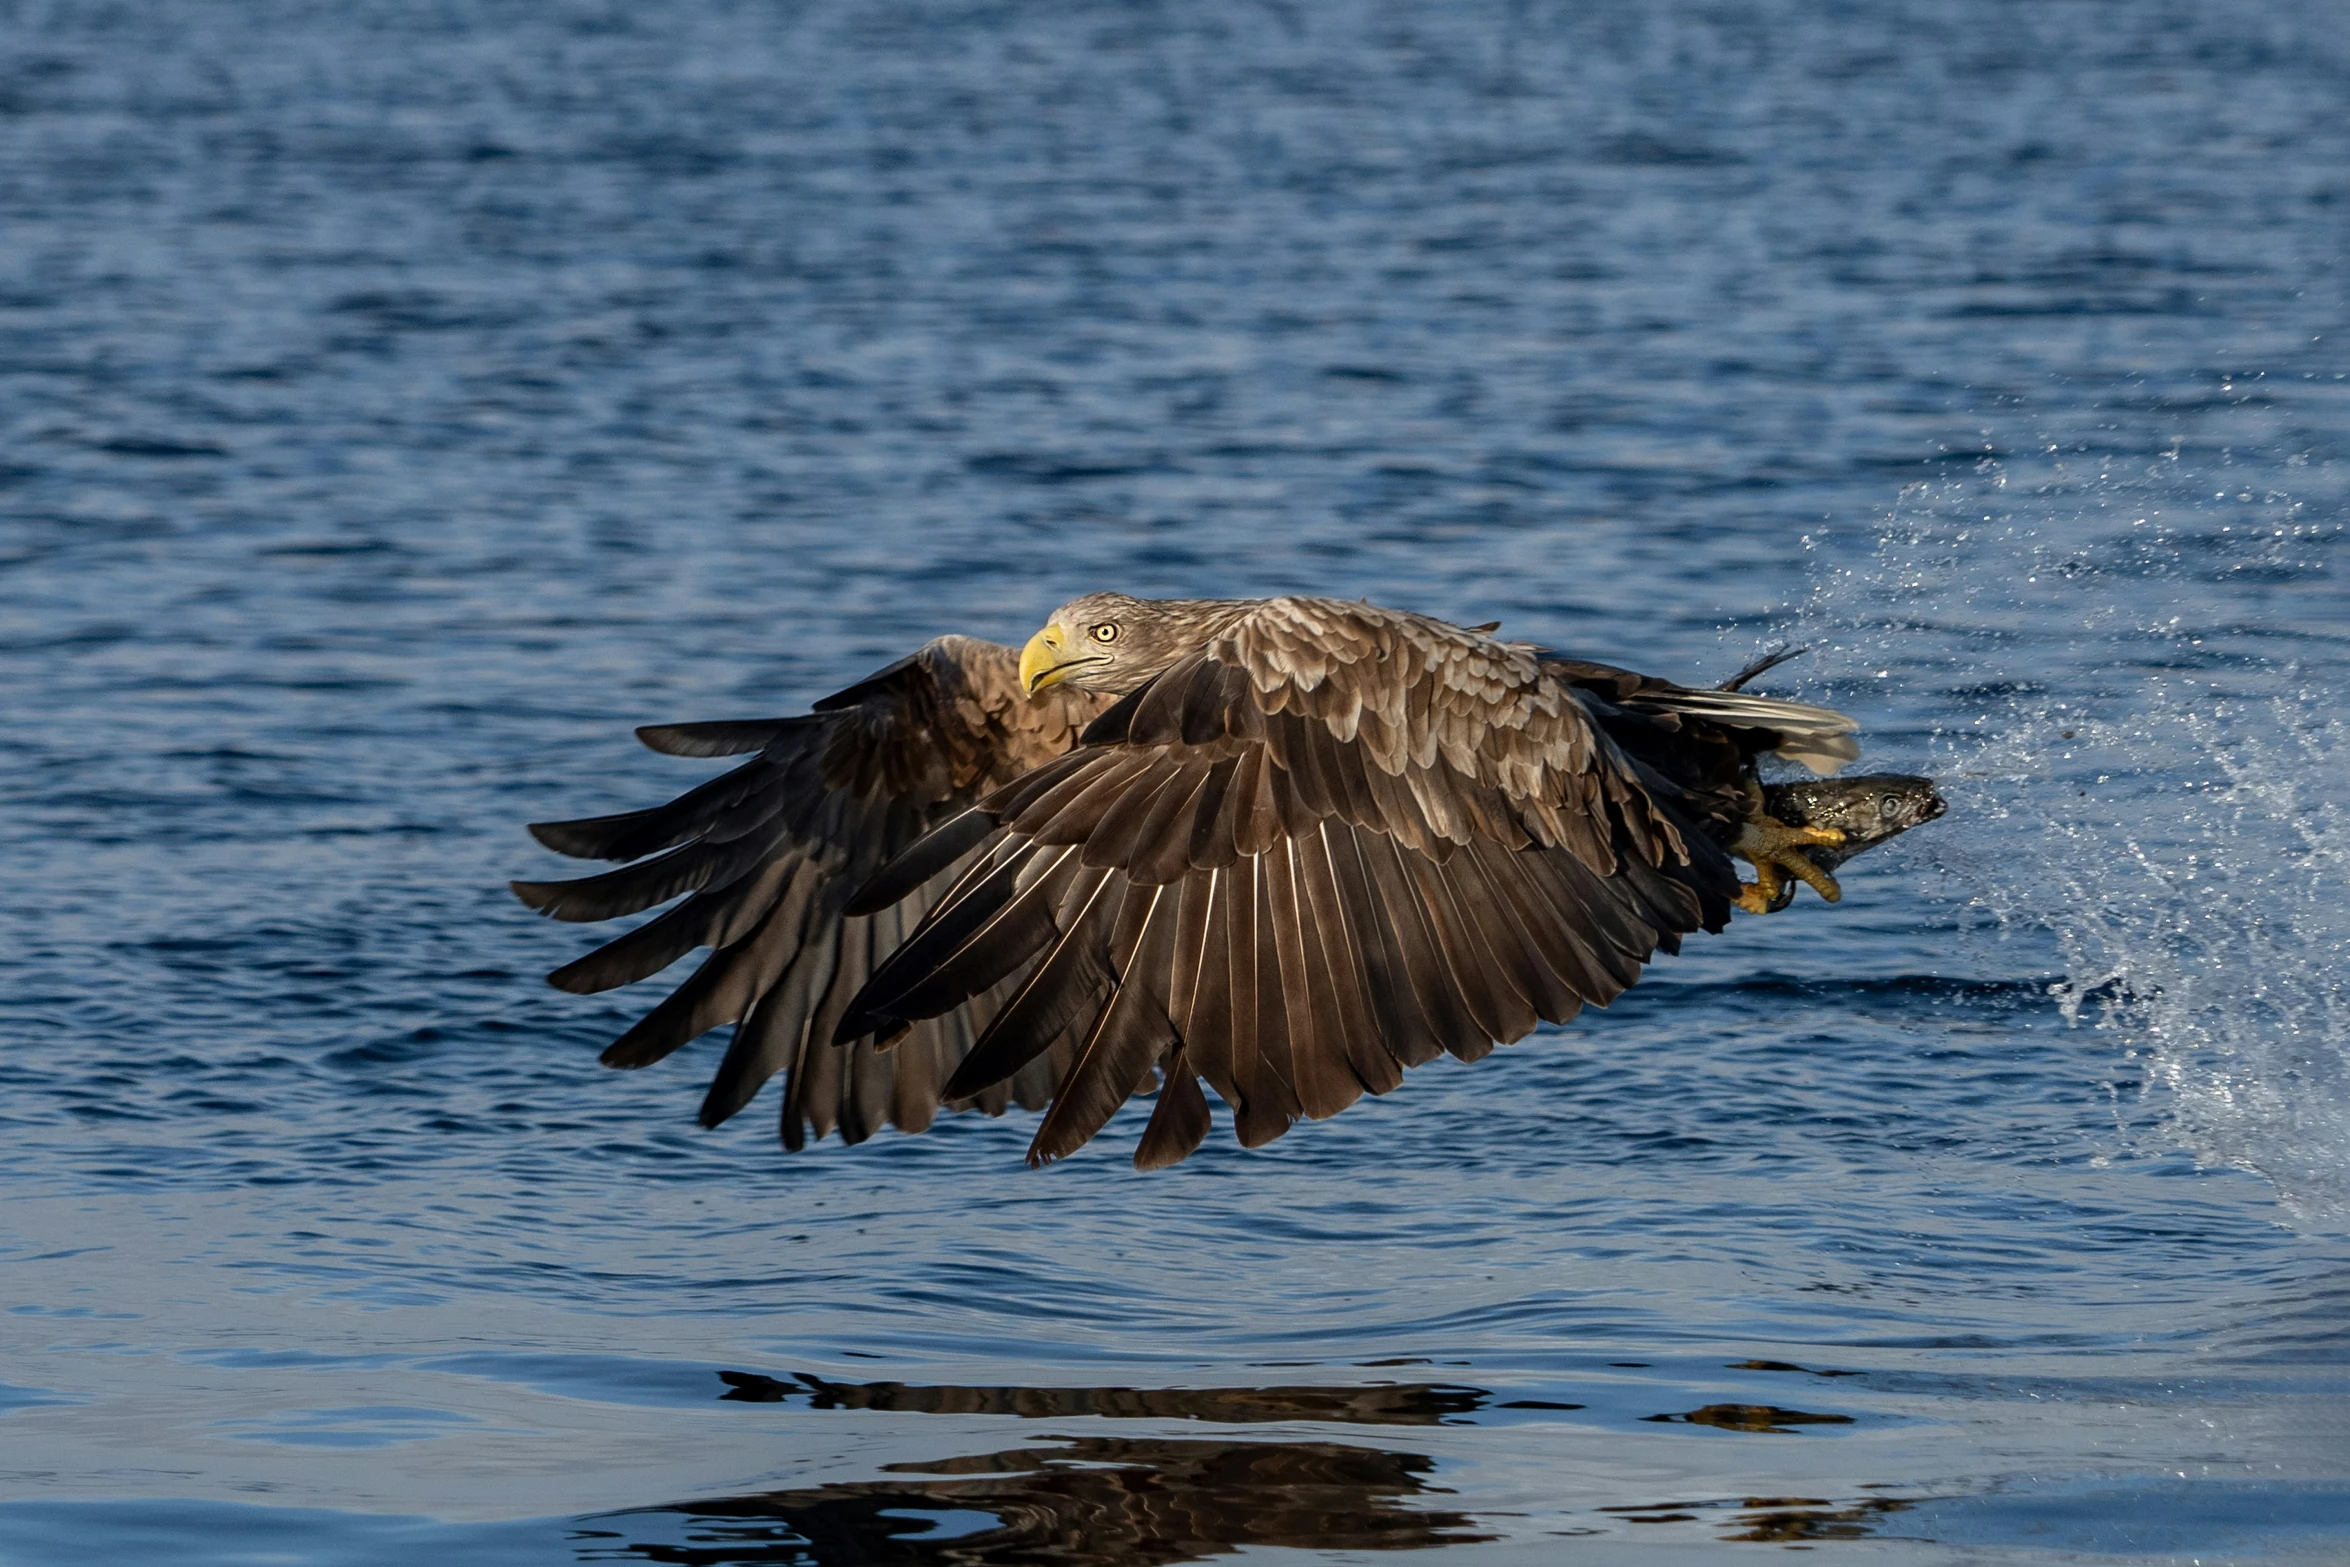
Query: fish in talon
[{"x": 1863, "y": 812}]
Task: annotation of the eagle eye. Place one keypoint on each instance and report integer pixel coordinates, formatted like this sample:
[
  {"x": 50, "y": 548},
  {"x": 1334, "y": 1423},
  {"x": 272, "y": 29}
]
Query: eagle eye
[{"x": 1106, "y": 632}]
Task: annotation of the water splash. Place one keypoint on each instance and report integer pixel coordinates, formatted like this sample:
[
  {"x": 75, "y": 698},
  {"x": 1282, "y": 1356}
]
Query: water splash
[
  {"x": 2202, "y": 915},
  {"x": 2138, "y": 712}
]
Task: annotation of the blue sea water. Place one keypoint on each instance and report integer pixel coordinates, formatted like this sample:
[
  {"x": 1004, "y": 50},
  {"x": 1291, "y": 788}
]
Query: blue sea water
[{"x": 402, "y": 401}]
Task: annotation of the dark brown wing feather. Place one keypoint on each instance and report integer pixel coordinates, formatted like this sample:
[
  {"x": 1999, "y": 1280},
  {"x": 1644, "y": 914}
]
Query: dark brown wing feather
[
  {"x": 1330, "y": 845},
  {"x": 766, "y": 857},
  {"x": 1701, "y": 746}
]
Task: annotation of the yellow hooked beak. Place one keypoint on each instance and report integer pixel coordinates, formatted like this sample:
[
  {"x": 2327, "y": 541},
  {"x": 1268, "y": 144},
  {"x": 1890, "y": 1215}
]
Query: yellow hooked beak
[{"x": 1040, "y": 660}]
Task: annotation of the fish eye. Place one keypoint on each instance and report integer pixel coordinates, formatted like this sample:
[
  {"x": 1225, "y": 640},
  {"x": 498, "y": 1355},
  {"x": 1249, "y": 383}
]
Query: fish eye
[
  {"x": 1889, "y": 802},
  {"x": 1106, "y": 632}
]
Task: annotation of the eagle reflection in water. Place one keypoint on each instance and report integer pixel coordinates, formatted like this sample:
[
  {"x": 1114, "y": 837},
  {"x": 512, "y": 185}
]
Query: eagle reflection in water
[
  {"x": 1134, "y": 1501},
  {"x": 1379, "y": 1404},
  {"x": 1069, "y": 1501}
]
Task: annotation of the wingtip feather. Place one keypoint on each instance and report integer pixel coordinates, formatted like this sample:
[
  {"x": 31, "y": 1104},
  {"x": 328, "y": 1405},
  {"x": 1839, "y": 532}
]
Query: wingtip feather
[
  {"x": 577, "y": 978},
  {"x": 561, "y": 837}
]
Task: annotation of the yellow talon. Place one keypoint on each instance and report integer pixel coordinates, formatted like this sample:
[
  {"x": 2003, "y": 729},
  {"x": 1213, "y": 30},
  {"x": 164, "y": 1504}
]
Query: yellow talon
[{"x": 1775, "y": 850}]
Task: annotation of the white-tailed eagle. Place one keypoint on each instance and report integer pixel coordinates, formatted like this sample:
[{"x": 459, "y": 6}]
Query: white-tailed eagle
[{"x": 1290, "y": 847}]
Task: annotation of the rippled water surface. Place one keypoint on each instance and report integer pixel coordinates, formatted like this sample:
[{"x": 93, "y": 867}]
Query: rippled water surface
[{"x": 401, "y": 402}]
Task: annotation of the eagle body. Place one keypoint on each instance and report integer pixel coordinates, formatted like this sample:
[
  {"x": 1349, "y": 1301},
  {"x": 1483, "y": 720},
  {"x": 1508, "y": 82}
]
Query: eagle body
[{"x": 1288, "y": 848}]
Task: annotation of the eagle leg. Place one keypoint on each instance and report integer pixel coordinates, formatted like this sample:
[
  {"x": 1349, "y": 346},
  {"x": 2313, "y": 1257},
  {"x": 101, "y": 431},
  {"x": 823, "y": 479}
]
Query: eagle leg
[{"x": 1775, "y": 850}]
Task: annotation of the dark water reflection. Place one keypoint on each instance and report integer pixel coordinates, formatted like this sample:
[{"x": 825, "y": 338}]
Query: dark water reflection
[
  {"x": 1750, "y": 1417},
  {"x": 1402, "y": 1404},
  {"x": 1088, "y": 1500},
  {"x": 1773, "y": 1520}
]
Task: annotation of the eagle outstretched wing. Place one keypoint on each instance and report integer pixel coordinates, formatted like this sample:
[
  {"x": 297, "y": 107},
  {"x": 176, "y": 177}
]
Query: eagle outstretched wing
[
  {"x": 766, "y": 858},
  {"x": 1330, "y": 844}
]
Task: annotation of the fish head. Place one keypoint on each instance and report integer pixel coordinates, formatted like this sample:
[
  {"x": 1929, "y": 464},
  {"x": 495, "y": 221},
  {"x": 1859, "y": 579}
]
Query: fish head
[
  {"x": 1867, "y": 809},
  {"x": 1900, "y": 802}
]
